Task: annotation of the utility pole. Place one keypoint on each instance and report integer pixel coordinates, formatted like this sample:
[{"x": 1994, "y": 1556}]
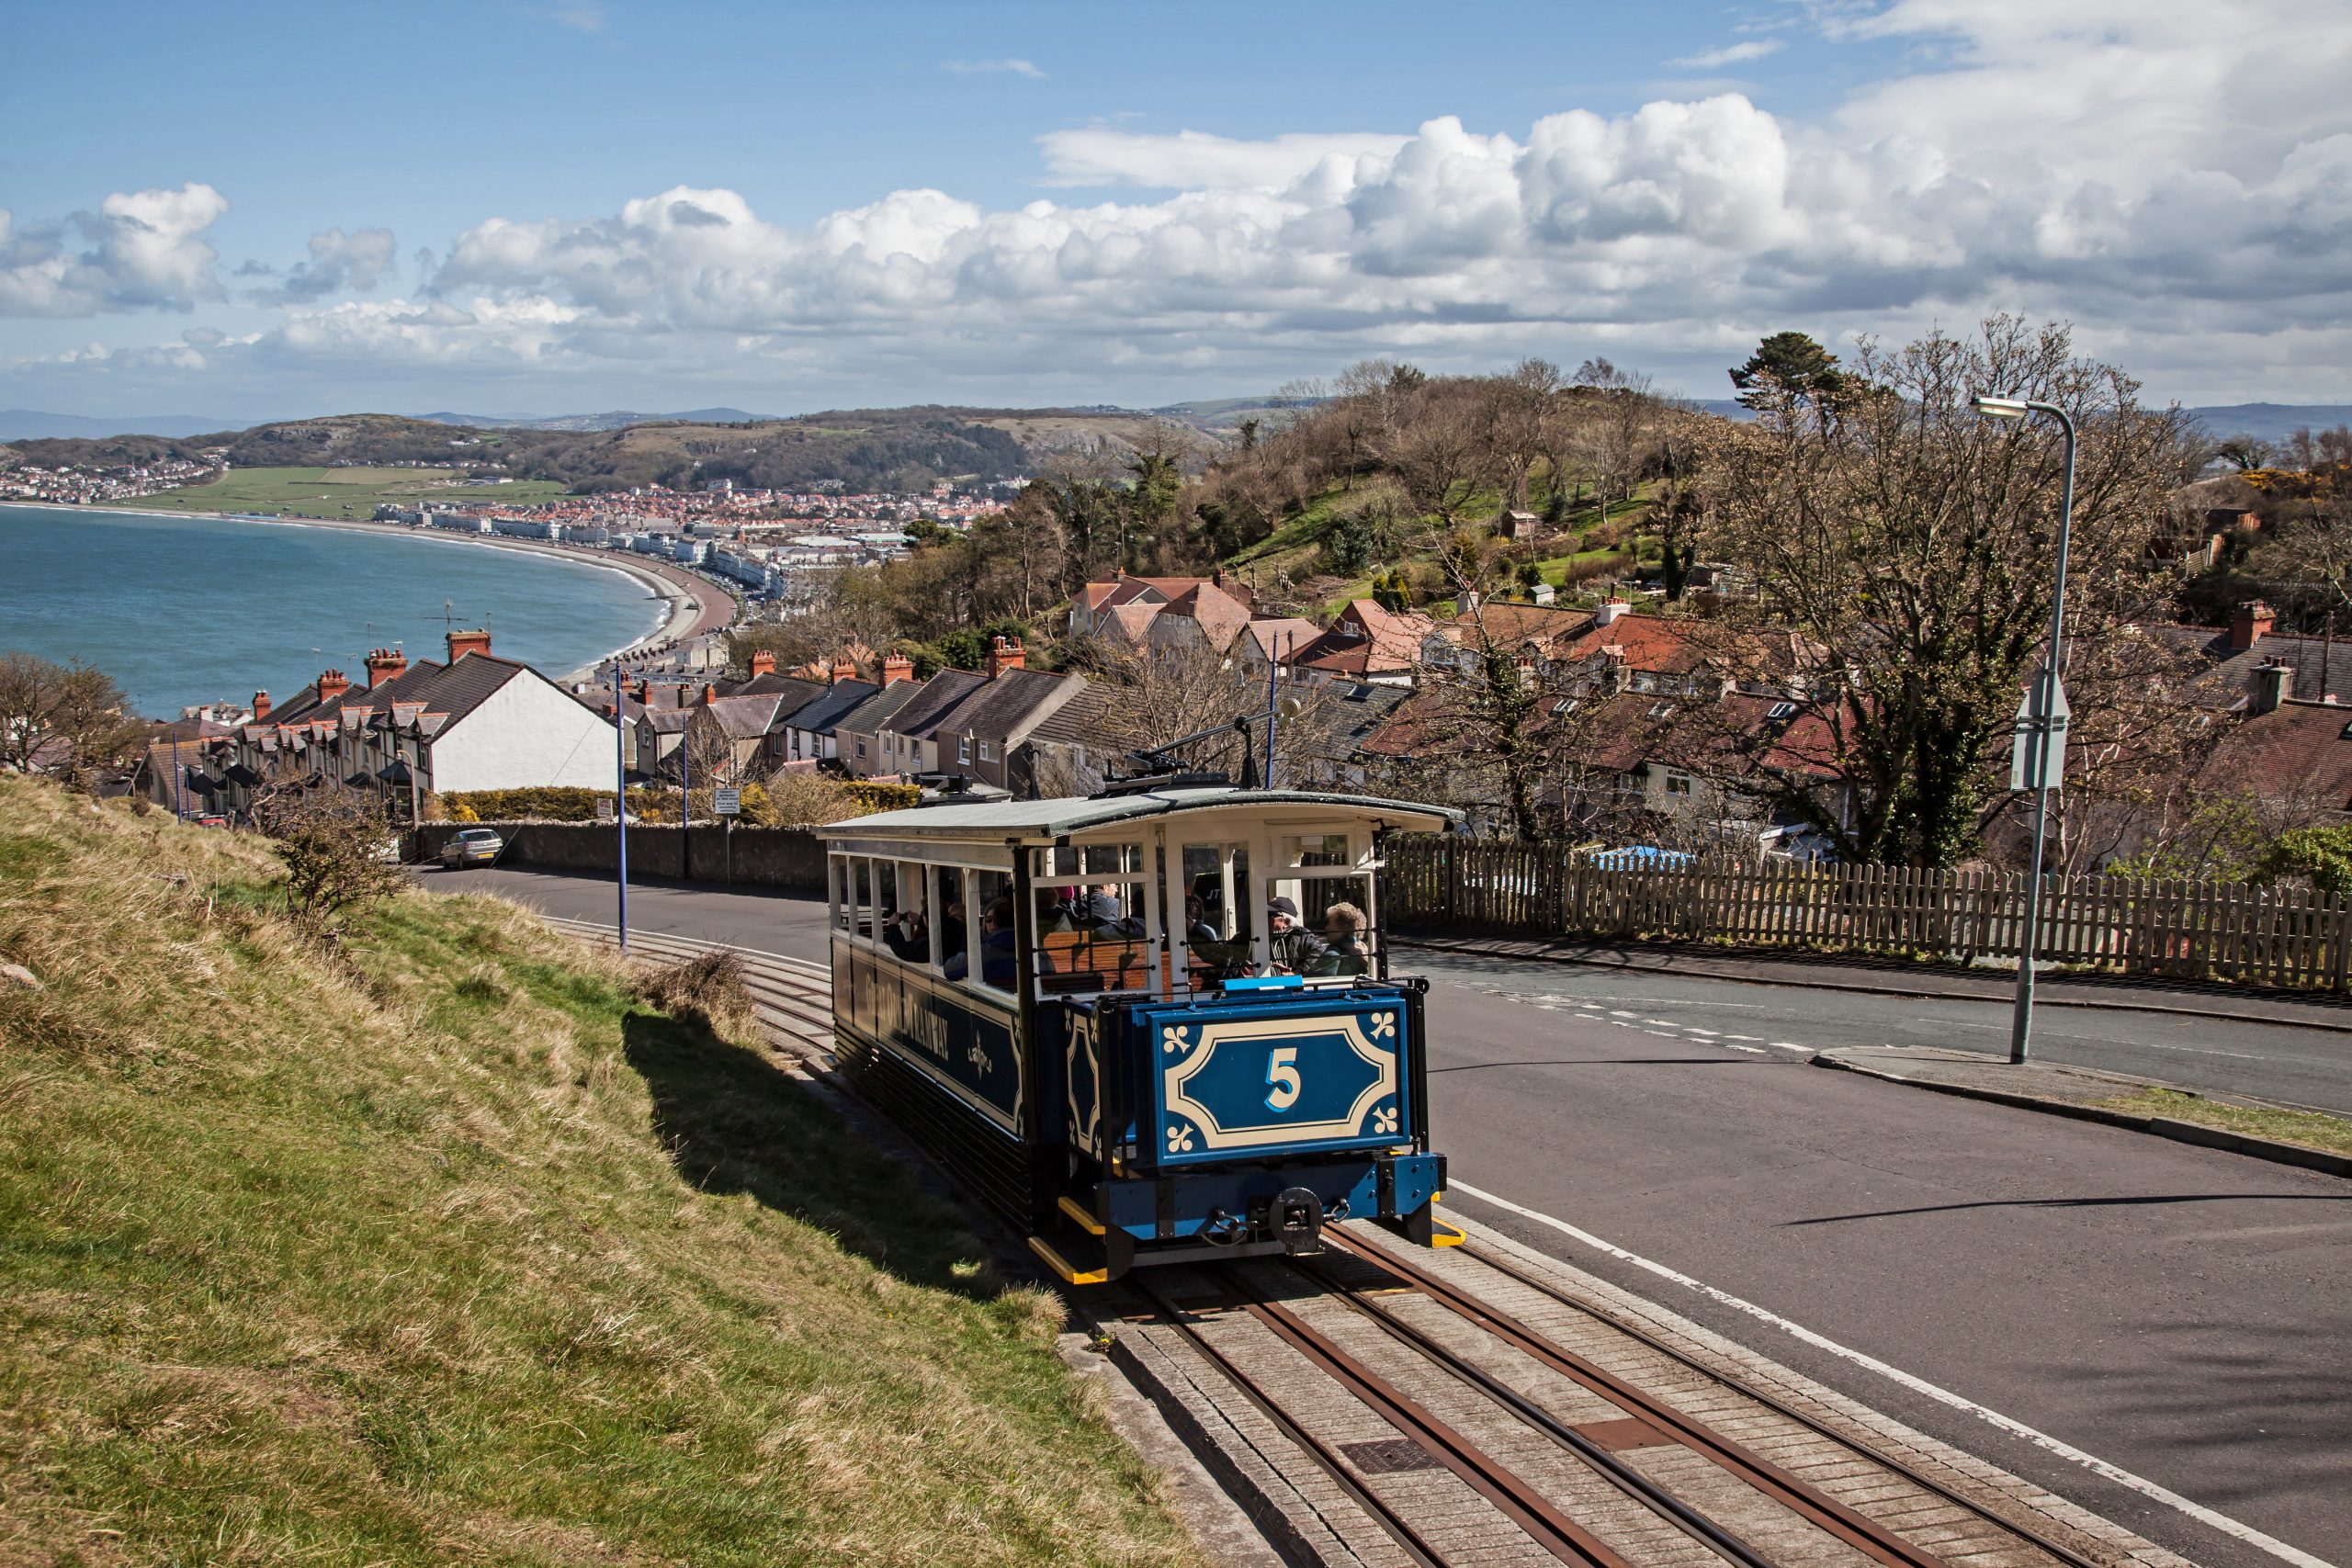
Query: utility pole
[
  {"x": 621, "y": 800},
  {"x": 2042, "y": 735}
]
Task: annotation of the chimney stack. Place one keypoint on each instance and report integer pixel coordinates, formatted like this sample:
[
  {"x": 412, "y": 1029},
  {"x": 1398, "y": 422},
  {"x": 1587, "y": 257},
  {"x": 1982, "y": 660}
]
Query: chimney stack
[
  {"x": 2249, "y": 625},
  {"x": 2269, "y": 689},
  {"x": 384, "y": 664},
  {"x": 1006, "y": 653},
  {"x": 332, "y": 684},
  {"x": 463, "y": 643},
  {"x": 261, "y": 706},
  {"x": 1611, "y": 612},
  {"x": 897, "y": 666},
  {"x": 763, "y": 663},
  {"x": 709, "y": 694}
]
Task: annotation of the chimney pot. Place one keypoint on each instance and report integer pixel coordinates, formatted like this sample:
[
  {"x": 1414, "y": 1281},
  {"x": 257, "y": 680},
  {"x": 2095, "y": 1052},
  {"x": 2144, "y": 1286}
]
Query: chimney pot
[
  {"x": 1005, "y": 653},
  {"x": 384, "y": 664},
  {"x": 897, "y": 666},
  {"x": 763, "y": 662},
  {"x": 2250, "y": 625},
  {"x": 332, "y": 684},
  {"x": 2269, "y": 689}
]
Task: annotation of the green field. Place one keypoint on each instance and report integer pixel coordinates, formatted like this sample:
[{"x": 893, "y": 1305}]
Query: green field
[{"x": 345, "y": 493}]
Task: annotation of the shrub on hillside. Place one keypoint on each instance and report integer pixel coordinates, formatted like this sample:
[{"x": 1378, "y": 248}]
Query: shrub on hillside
[
  {"x": 709, "y": 987},
  {"x": 335, "y": 847}
]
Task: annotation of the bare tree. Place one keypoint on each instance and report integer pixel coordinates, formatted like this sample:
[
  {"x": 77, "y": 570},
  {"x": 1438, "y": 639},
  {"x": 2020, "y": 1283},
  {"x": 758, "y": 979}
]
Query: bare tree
[
  {"x": 336, "y": 844},
  {"x": 1908, "y": 546},
  {"x": 64, "y": 720}
]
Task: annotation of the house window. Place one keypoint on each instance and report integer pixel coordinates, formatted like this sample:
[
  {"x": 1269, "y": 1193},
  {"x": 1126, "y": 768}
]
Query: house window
[
  {"x": 988, "y": 751},
  {"x": 1678, "y": 784},
  {"x": 1660, "y": 710},
  {"x": 963, "y": 748},
  {"x": 1782, "y": 710}
]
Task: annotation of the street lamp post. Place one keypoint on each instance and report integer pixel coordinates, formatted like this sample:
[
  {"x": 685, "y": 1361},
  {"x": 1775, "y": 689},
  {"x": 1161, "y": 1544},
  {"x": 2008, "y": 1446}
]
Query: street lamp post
[{"x": 2044, "y": 707}]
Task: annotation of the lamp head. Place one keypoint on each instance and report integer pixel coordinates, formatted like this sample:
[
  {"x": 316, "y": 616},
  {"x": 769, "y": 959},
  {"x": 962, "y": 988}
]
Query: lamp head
[{"x": 1997, "y": 408}]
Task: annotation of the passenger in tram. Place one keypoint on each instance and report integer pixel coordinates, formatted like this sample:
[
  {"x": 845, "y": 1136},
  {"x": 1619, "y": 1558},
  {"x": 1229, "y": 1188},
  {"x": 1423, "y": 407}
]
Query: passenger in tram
[
  {"x": 951, "y": 929},
  {"x": 1293, "y": 947},
  {"x": 1344, "y": 953},
  {"x": 908, "y": 936},
  {"x": 1197, "y": 929},
  {"x": 998, "y": 965},
  {"x": 1053, "y": 912}
]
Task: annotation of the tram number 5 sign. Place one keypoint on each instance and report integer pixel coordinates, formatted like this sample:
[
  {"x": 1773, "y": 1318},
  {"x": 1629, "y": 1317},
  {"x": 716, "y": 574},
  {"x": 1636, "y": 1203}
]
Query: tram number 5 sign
[{"x": 1282, "y": 1072}]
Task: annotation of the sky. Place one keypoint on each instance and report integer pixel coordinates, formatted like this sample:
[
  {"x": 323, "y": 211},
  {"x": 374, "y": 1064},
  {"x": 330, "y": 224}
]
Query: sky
[{"x": 543, "y": 206}]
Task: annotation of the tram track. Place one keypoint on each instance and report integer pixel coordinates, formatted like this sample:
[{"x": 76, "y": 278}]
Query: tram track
[{"x": 1469, "y": 1390}]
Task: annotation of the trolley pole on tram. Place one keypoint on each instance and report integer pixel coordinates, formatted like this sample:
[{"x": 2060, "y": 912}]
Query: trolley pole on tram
[{"x": 620, "y": 797}]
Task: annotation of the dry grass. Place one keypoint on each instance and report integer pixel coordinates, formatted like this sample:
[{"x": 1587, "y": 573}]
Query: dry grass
[
  {"x": 2311, "y": 1129},
  {"x": 456, "y": 1251},
  {"x": 709, "y": 987}
]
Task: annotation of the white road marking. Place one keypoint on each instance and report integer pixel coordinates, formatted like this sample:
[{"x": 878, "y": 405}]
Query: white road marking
[
  {"x": 1743, "y": 1037},
  {"x": 1694, "y": 1029},
  {"x": 2042, "y": 1440},
  {"x": 1751, "y": 1050},
  {"x": 1789, "y": 1045}
]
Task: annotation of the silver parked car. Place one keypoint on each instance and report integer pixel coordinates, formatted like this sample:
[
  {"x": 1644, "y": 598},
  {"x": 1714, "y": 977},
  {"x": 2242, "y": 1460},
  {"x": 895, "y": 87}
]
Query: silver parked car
[{"x": 472, "y": 846}]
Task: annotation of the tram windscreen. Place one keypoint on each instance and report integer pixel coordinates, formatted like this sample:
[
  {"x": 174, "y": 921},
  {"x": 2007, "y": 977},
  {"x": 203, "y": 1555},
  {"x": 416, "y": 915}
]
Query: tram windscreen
[
  {"x": 1218, "y": 921},
  {"x": 1334, "y": 938}
]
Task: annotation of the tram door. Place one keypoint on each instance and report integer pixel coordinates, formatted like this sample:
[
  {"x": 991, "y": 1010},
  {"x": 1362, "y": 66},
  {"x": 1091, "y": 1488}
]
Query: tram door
[{"x": 1220, "y": 921}]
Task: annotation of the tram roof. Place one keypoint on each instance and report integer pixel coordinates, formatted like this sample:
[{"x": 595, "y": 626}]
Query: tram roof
[{"x": 997, "y": 820}]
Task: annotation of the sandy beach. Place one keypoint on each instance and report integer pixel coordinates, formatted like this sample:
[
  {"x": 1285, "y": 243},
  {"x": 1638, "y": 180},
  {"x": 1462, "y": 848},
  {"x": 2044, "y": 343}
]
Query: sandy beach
[{"x": 691, "y": 605}]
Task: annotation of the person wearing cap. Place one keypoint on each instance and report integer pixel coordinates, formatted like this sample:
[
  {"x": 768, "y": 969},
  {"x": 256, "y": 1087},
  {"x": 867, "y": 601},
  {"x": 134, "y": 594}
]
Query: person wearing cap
[{"x": 1293, "y": 948}]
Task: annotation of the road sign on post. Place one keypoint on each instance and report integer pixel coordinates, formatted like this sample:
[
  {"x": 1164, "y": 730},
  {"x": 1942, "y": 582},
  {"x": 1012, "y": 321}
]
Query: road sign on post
[
  {"x": 2038, "y": 754},
  {"x": 728, "y": 802}
]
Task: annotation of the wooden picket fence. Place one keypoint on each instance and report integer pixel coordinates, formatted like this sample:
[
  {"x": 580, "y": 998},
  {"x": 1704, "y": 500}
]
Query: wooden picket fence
[{"x": 2289, "y": 937}]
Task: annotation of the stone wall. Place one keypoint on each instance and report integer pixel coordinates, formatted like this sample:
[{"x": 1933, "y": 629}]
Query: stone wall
[{"x": 767, "y": 857}]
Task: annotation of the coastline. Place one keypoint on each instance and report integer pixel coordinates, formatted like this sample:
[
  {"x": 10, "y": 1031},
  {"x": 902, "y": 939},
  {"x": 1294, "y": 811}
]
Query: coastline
[{"x": 690, "y": 604}]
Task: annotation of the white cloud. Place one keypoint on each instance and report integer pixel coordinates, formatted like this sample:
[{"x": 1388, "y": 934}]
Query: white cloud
[
  {"x": 1730, "y": 54},
  {"x": 581, "y": 16},
  {"x": 1192, "y": 160},
  {"x": 2103, "y": 166},
  {"x": 994, "y": 67},
  {"x": 338, "y": 261},
  {"x": 143, "y": 249}
]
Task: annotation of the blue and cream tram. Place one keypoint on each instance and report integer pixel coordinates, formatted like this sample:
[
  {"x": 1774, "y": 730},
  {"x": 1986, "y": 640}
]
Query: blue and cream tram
[{"x": 1150, "y": 1025}]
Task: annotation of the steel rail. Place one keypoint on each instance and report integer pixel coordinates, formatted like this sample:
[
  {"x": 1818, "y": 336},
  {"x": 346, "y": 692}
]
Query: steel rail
[
  {"x": 1779, "y": 1406},
  {"x": 1322, "y": 1455},
  {"x": 1857, "y": 1529},
  {"x": 1649, "y": 1493}
]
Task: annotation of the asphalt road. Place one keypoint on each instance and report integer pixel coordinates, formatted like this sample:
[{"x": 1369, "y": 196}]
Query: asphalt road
[{"x": 2180, "y": 1312}]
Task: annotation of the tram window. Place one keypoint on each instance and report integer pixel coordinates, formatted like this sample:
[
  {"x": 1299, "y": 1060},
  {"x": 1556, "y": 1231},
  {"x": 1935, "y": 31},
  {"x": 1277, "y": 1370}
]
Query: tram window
[
  {"x": 861, "y": 897},
  {"x": 1218, "y": 921},
  {"x": 1316, "y": 848},
  {"x": 954, "y": 916},
  {"x": 840, "y": 879},
  {"x": 1093, "y": 928},
  {"x": 994, "y": 945},
  {"x": 1338, "y": 940}
]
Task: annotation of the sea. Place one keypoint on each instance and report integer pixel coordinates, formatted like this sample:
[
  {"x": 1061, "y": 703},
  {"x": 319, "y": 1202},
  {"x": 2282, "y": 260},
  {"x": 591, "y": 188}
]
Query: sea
[{"x": 187, "y": 610}]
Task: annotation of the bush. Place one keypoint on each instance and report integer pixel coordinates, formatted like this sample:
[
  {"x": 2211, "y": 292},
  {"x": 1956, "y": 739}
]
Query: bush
[
  {"x": 2321, "y": 854},
  {"x": 333, "y": 846},
  {"x": 709, "y": 989}
]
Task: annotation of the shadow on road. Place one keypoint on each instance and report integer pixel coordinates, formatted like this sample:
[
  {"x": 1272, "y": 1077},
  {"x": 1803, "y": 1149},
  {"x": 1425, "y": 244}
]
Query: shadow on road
[{"x": 2140, "y": 1201}]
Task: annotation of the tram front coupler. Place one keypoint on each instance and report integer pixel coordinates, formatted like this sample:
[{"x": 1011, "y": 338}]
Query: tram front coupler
[{"x": 1294, "y": 1217}]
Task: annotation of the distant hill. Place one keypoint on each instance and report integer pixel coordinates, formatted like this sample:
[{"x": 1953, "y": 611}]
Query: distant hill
[
  {"x": 2271, "y": 421},
  {"x": 618, "y": 419},
  {"x": 30, "y": 424}
]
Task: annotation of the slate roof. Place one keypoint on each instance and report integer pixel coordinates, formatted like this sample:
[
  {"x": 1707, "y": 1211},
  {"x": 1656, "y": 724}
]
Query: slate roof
[
  {"x": 2301, "y": 751},
  {"x": 1009, "y": 705},
  {"x": 942, "y": 694},
  {"x": 870, "y": 717},
  {"x": 742, "y": 717},
  {"x": 462, "y": 687},
  {"x": 821, "y": 717},
  {"x": 2322, "y": 668}
]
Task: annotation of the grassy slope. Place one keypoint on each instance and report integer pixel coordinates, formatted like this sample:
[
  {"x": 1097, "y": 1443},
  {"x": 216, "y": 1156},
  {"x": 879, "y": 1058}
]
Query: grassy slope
[
  {"x": 445, "y": 1251},
  {"x": 343, "y": 493}
]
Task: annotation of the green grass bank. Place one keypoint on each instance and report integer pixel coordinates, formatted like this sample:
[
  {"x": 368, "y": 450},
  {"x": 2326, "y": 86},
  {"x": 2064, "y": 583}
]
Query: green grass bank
[{"x": 440, "y": 1247}]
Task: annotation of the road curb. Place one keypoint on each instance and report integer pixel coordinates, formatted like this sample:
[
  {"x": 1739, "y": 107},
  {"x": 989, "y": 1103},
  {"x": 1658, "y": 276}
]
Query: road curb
[
  {"x": 2162, "y": 1126},
  {"x": 1902, "y": 993}
]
